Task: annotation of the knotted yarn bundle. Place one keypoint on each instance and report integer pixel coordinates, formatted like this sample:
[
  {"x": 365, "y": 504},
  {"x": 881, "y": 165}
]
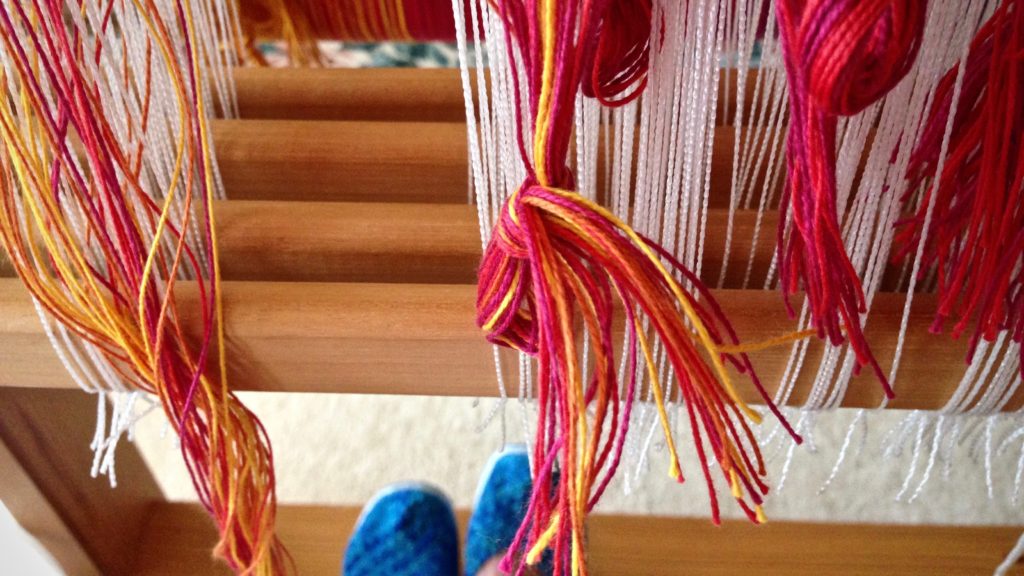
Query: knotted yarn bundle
[
  {"x": 840, "y": 57},
  {"x": 106, "y": 191},
  {"x": 558, "y": 270},
  {"x": 974, "y": 234}
]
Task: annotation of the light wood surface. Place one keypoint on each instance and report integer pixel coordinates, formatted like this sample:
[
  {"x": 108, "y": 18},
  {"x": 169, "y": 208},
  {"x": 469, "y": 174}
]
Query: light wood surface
[
  {"x": 280, "y": 241},
  {"x": 38, "y": 517},
  {"x": 626, "y": 545},
  {"x": 395, "y": 94},
  {"x": 421, "y": 339},
  {"x": 413, "y": 243},
  {"x": 353, "y": 161},
  {"x": 398, "y": 242},
  {"x": 89, "y": 527},
  {"x": 348, "y": 242},
  {"x": 376, "y": 161}
]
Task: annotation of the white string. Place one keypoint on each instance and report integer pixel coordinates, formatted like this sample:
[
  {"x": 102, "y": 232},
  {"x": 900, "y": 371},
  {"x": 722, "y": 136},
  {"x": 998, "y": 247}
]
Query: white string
[{"x": 1012, "y": 559}]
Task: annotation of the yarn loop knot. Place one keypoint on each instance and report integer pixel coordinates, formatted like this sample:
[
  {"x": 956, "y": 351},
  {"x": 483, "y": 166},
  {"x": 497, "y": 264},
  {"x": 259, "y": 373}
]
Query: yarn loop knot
[{"x": 855, "y": 51}]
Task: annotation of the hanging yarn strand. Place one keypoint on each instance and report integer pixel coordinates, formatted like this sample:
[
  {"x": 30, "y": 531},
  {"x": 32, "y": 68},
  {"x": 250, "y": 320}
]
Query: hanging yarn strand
[
  {"x": 559, "y": 266},
  {"x": 840, "y": 57},
  {"x": 975, "y": 239},
  {"x": 101, "y": 228}
]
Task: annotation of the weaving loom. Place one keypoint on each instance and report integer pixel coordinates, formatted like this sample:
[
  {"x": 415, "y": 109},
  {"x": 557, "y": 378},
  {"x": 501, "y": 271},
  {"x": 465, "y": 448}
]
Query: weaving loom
[{"x": 645, "y": 219}]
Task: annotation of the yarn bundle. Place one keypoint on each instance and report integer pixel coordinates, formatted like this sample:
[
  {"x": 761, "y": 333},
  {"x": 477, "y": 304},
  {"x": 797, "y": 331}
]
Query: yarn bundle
[
  {"x": 557, "y": 267},
  {"x": 106, "y": 185},
  {"x": 107, "y": 178},
  {"x": 841, "y": 56},
  {"x": 975, "y": 236}
]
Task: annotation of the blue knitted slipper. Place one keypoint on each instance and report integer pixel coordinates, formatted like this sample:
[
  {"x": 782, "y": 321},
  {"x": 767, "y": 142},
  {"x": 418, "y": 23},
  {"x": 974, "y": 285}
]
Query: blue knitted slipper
[
  {"x": 405, "y": 530},
  {"x": 501, "y": 502}
]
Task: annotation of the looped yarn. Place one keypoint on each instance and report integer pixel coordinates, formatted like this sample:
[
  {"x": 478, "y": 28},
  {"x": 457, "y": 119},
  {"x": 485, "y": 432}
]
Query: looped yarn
[
  {"x": 840, "y": 56},
  {"x": 101, "y": 239},
  {"x": 617, "y": 57},
  {"x": 560, "y": 270},
  {"x": 556, "y": 258},
  {"x": 505, "y": 309},
  {"x": 855, "y": 51}
]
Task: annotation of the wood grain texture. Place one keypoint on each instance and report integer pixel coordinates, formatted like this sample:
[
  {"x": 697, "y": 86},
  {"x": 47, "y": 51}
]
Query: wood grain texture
[
  {"x": 630, "y": 545},
  {"x": 34, "y": 512},
  {"x": 413, "y": 243},
  {"x": 395, "y": 242},
  {"x": 348, "y": 242},
  {"x": 379, "y": 161},
  {"x": 421, "y": 339},
  {"x": 46, "y": 433},
  {"x": 395, "y": 94},
  {"x": 342, "y": 161}
]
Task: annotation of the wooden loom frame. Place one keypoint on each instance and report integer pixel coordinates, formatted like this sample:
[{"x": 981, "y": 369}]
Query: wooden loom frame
[{"x": 346, "y": 305}]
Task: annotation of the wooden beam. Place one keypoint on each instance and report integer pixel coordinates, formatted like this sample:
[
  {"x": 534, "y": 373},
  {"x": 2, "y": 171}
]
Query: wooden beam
[
  {"x": 89, "y": 527},
  {"x": 412, "y": 243},
  {"x": 421, "y": 339},
  {"x": 39, "y": 518},
  {"x": 382, "y": 94},
  {"x": 395, "y": 94},
  {"x": 374, "y": 161},
  {"x": 632, "y": 545},
  {"x": 348, "y": 242},
  {"x": 342, "y": 161}
]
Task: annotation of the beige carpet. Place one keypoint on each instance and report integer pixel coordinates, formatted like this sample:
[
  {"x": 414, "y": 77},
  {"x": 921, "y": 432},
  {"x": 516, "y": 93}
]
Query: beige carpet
[{"x": 340, "y": 449}]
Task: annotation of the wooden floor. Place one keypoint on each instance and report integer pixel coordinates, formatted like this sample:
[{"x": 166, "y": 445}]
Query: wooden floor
[{"x": 623, "y": 546}]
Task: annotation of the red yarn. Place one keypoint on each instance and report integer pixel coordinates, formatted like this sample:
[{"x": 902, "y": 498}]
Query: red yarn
[
  {"x": 976, "y": 235},
  {"x": 618, "y": 57},
  {"x": 840, "y": 56}
]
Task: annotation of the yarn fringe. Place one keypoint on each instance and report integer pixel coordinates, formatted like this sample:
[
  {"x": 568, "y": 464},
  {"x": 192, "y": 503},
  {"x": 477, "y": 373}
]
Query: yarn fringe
[
  {"x": 106, "y": 198},
  {"x": 975, "y": 240}
]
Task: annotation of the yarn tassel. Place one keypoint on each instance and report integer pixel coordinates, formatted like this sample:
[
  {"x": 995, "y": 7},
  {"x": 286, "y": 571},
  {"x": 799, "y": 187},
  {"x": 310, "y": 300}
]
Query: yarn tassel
[
  {"x": 840, "y": 57},
  {"x": 557, "y": 269},
  {"x": 100, "y": 245},
  {"x": 975, "y": 238}
]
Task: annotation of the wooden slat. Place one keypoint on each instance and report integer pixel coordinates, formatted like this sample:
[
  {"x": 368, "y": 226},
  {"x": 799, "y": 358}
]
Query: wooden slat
[
  {"x": 411, "y": 243},
  {"x": 34, "y": 512},
  {"x": 348, "y": 242},
  {"x": 89, "y": 527},
  {"x": 421, "y": 339},
  {"x": 628, "y": 545},
  {"x": 373, "y": 161},
  {"x": 395, "y": 94},
  {"x": 351, "y": 161}
]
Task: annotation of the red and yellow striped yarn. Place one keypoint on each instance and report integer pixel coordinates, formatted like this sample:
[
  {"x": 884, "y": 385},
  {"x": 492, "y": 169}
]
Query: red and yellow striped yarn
[
  {"x": 557, "y": 269},
  {"x": 116, "y": 288}
]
